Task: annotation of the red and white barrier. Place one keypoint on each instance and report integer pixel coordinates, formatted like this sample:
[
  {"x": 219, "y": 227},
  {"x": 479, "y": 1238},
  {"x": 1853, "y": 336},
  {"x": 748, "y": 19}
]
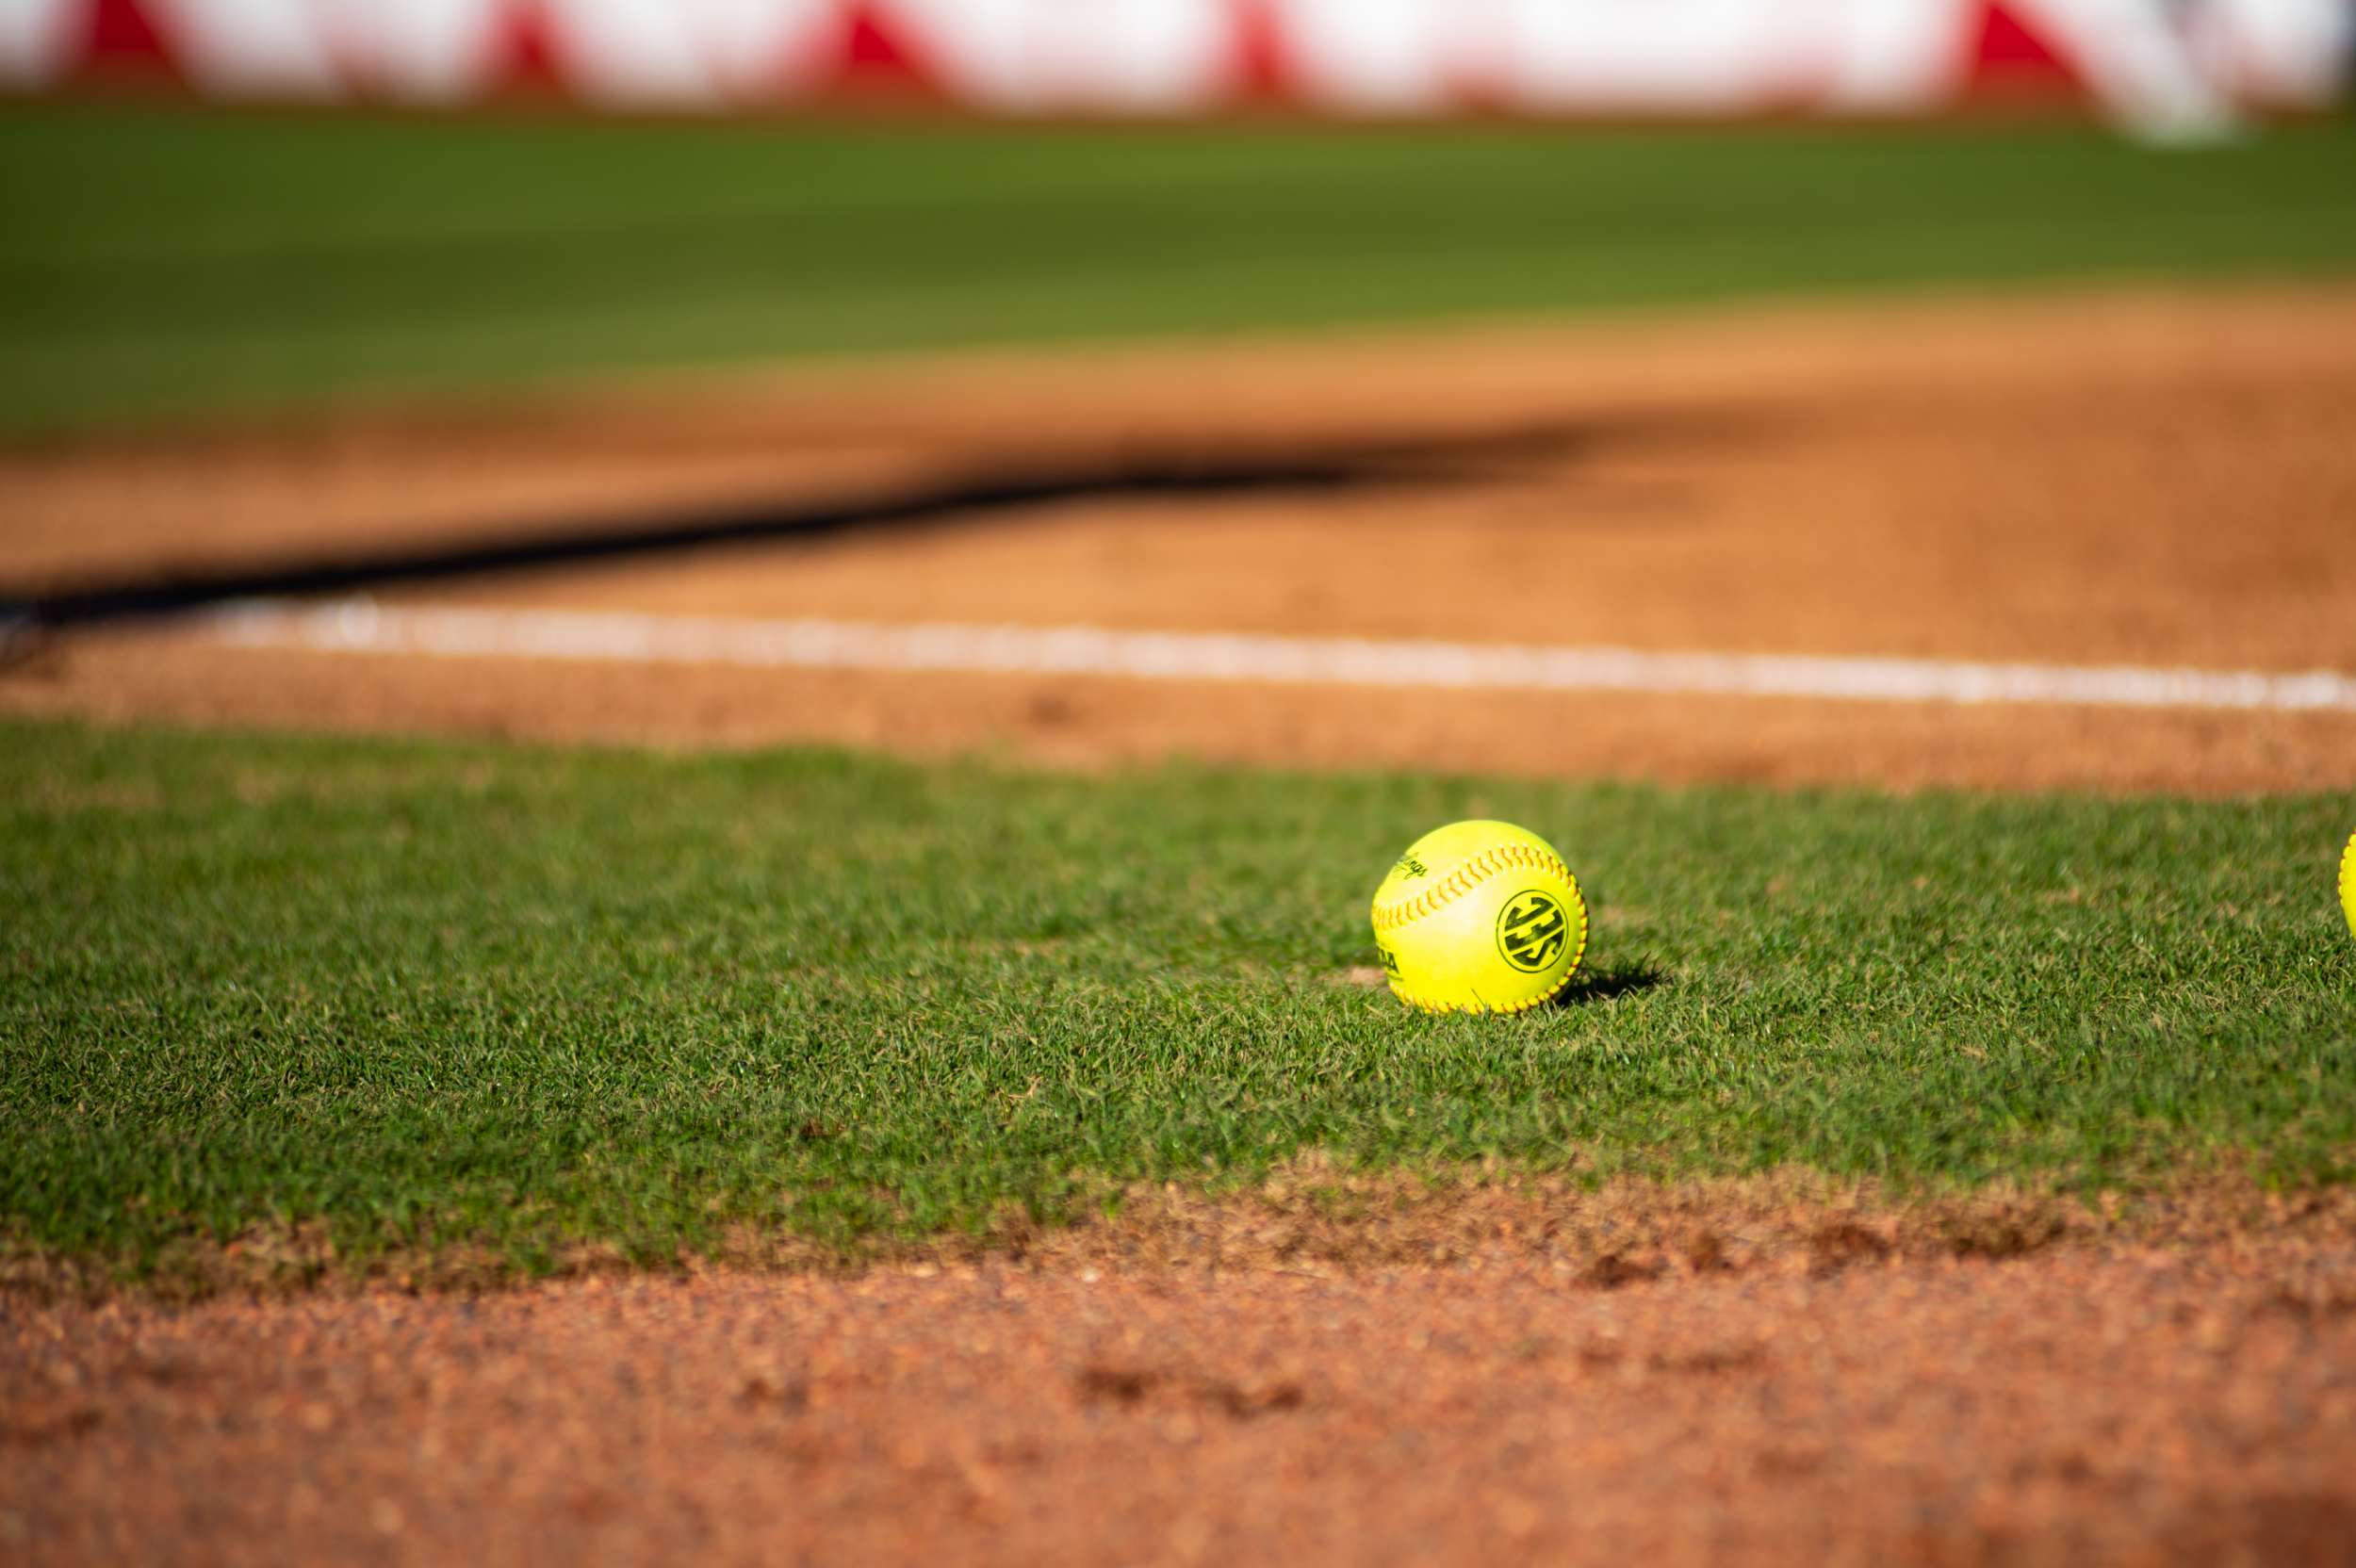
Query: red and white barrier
[{"x": 2160, "y": 64}]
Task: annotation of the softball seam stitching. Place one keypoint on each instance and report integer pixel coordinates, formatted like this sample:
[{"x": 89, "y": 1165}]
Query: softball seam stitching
[{"x": 1465, "y": 878}]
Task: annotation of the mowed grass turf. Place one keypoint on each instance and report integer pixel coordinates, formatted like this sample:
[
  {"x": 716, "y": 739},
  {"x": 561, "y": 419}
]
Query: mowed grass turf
[
  {"x": 427, "y": 992},
  {"x": 162, "y": 262}
]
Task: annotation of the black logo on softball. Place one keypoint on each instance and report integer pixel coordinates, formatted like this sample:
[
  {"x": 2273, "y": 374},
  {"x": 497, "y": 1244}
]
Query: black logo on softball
[{"x": 1533, "y": 930}]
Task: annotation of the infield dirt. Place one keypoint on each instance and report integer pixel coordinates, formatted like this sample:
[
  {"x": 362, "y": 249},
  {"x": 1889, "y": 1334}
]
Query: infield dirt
[
  {"x": 2143, "y": 478},
  {"x": 2143, "y": 1404}
]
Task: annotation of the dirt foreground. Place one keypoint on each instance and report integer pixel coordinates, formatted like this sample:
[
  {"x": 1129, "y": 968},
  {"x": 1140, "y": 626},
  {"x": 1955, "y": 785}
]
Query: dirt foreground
[
  {"x": 1321, "y": 1370},
  {"x": 2138, "y": 1405}
]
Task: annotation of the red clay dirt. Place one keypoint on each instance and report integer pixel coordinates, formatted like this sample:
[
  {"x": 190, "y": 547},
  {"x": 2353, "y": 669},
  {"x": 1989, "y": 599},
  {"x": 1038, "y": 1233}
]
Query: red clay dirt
[
  {"x": 2127, "y": 1406},
  {"x": 2149, "y": 478}
]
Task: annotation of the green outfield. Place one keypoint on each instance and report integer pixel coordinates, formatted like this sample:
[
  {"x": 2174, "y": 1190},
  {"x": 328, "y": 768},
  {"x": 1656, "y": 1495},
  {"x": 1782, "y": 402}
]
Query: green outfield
[
  {"x": 165, "y": 261},
  {"x": 426, "y": 991}
]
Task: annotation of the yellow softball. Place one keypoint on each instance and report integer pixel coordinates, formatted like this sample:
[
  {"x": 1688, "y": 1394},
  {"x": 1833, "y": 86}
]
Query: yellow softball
[
  {"x": 1480, "y": 917},
  {"x": 2348, "y": 881}
]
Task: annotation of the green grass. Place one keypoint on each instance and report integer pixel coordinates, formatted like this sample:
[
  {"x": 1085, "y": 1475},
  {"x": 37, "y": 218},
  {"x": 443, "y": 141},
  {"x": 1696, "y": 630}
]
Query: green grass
[
  {"x": 162, "y": 262},
  {"x": 426, "y": 991}
]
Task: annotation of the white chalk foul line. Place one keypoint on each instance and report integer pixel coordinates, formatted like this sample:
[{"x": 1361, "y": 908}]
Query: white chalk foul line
[{"x": 364, "y": 626}]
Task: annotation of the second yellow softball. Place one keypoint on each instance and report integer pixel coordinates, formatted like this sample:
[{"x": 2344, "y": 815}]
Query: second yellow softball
[{"x": 2348, "y": 883}]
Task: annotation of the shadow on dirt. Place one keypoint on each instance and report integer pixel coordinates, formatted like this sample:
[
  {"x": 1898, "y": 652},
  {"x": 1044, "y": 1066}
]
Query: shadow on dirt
[{"x": 1333, "y": 468}]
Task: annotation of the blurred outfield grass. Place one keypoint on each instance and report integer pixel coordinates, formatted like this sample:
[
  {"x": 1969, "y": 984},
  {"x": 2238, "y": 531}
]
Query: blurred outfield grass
[
  {"x": 161, "y": 261},
  {"x": 436, "y": 991}
]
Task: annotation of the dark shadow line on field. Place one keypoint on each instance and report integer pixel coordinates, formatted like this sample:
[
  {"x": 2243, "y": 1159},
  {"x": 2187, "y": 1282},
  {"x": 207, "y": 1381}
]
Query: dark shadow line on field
[
  {"x": 1611, "y": 980},
  {"x": 1333, "y": 469}
]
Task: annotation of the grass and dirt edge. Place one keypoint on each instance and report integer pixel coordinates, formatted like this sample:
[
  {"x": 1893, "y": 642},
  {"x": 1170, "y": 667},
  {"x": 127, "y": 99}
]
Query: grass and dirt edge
[{"x": 1313, "y": 1215}]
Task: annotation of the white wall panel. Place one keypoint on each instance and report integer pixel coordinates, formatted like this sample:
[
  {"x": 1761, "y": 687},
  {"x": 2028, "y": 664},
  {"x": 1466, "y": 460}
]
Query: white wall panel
[
  {"x": 1028, "y": 56},
  {"x": 35, "y": 36},
  {"x": 1387, "y": 57},
  {"x": 259, "y": 48},
  {"x": 1679, "y": 56},
  {"x": 2277, "y": 51}
]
